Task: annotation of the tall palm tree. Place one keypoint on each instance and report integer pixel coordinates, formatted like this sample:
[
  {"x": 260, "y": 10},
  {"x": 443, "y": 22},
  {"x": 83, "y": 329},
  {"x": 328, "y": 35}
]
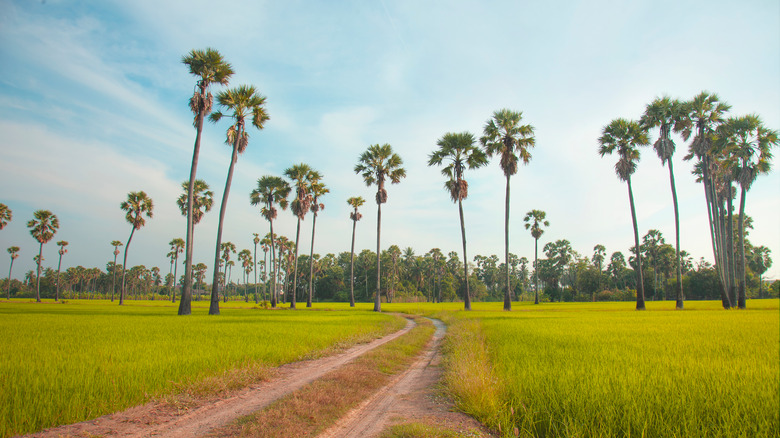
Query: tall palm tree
[
  {"x": 42, "y": 227},
  {"x": 243, "y": 101},
  {"x": 535, "y": 220},
  {"x": 669, "y": 115},
  {"x": 459, "y": 151},
  {"x": 210, "y": 68},
  {"x": 317, "y": 189},
  {"x": 748, "y": 145},
  {"x": 354, "y": 202},
  {"x": 62, "y": 244},
  {"x": 265, "y": 245},
  {"x": 256, "y": 240},
  {"x": 14, "y": 252},
  {"x": 227, "y": 248},
  {"x": 375, "y": 165},
  {"x": 202, "y": 201},
  {"x": 624, "y": 137},
  {"x": 245, "y": 257},
  {"x": 5, "y": 215},
  {"x": 302, "y": 176},
  {"x": 599, "y": 254},
  {"x": 706, "y": 113},
  {"x": 116, "y": 244},
  {"x": 760, "y": 261},
  {"x": 270, "y": 192},
  {"x": 177, "y": 247},
  {"x": 137, "y": 205},
  {"x": 505, "y": 136}
]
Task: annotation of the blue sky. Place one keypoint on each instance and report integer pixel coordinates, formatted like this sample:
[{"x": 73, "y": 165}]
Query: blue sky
[{"x": 93, "y": 105}]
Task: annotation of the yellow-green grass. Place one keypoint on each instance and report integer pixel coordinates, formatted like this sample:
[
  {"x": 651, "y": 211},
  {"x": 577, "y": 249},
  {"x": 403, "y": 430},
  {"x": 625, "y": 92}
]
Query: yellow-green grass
[
  {"x": 63, "y": 363},
  {"x": 602, "y": 370}
]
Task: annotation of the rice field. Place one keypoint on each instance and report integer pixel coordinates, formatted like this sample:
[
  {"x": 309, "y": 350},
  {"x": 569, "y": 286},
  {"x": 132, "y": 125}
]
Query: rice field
[
  {"x": 63, "y": 363},
  {"x": 605, "y": 370}
]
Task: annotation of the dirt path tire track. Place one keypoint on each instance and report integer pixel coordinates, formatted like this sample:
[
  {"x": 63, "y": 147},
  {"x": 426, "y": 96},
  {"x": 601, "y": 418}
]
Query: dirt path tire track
[
  {"x": 150, "y": 420},
  {"x": 410, "y": 396}
]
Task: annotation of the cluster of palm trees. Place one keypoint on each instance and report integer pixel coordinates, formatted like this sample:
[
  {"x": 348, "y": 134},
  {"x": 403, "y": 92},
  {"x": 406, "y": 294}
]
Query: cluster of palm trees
[{"x": 729, "y": 151}]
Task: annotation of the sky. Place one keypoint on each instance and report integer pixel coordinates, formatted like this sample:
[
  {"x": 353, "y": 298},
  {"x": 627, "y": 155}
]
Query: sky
[{"x": 93, "y": 105}]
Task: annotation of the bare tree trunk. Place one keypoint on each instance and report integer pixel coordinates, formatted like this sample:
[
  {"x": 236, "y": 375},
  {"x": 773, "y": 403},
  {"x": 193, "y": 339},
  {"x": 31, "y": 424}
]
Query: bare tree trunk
[
  {"x": 185, "y": 304},
  {"x": 730, "y": 249},
  {"x": 377, "y": 300},
  {"x": 254, "y": 267},
  {"x": 507, "y": 301},
  {"x": 113, "y": 278},
  {"x": 536, "y": 271},
  {"x": 124, "y": 268},
  {"x": 8, "y": 292},
  {"x": 214, "y": 306},
  {"x": 274, "y": 270},
  {"x": 640, "y": 288},
  {"x": 741, "y": 304},
  {"x": 466, "y": 295},
  {"x": 679, "y": 289},
  {"x": 351, "y": 268},
  {"x": 311, "y": 261},
  {"x": 57, "y": 286},
  {"x": 294, "y": 298}
]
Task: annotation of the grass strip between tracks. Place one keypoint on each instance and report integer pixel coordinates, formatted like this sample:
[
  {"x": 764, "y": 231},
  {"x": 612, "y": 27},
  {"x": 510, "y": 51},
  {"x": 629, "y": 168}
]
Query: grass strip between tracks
[{"x": 320, "y": 404}]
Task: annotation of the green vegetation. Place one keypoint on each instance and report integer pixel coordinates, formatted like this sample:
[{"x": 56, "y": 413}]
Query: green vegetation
[
  {"x": 64, "y": 363},
  {"x": 605, "y": 370}
]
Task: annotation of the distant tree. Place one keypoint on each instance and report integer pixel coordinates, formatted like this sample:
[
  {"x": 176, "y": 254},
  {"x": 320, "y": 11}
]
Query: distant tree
[
  {"x": 177, "y": 247},
  {"x": 375, "y": 165},
  {"x": 14, "y": 252},
  {"x": 624, "y": 137},
  {"x": 318, "y": 189},
  {"x": 243, "y": 101},
  {"x": 210, "y": 68},
  {"x": 302, "y": 177},
  {"x": 42, "y": 227},
  {"x": 62, "y": 244},
  {"x": 116, "y": 244},
  {"x": 355, "y": 202},
  {"x": 459, "y": 151},
  {"x": 245, "y": 257},
  {"x": 760, "y": 261},
  {"x": 5, "y": 215},
  {"x": 256, "y": 240},
  {"x": 137, "y": 205},
  {"x": 535, "y": 220},
  {"x": 270, "y": 192},
  {"x": 196, "y": 205},
  {"x": 599, "y": 253},
  {"x": 505, "y": 136}
]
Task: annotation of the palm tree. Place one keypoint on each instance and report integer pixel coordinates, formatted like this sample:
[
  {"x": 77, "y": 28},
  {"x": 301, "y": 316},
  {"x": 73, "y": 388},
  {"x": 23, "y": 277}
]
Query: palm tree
[
  {"x": 62, "y": 244},
  {"x": 137, "y": 205},
  {"x": 375, "y": 165},
  {"x": 177, "y": 246},
  {"x": 760, "y": 261},
  {"x": 210, "y": 68},
  {"x": 245, "y": 257},
  {"x": 535, "y": 220},
  {"x": 302, "y": 176},
  {"x": 748, "y": 145},
  {"x": 354, "y": 202},
  {"x": 505, "y": 136},
  {"x": 256, "y": 240},
  {"x": 706, "y": 114},
  {"x": 317, "y": 189},
  {"x": 459, "y": 151},
  {"x": 244, "y": 101},
  {"x": 265, "y": 245},
  {"x": 5, "y": 215},
  {"x": 14, "y": 252},
  {"x": 624, "y": 136},
  {"x": 42, "y": 227},
  {"x": 668, "y": 115},
  {"x": 202, "y": 200},
  {"x": 116, "y": 244},
  {"x": 227, "y": 248},
  {"x": 270, "y": 192},
  {"x": 599, "y": 254}
]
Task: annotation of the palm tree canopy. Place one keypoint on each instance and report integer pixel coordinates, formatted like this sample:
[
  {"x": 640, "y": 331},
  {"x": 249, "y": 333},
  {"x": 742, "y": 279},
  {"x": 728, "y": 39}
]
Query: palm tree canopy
[
  {"x": 270, "y": 191},
  {"x": 504, "y": 135},
  {"x": 202, "y": 199},
  {"x": 706, "y": 113},
  {"x": 302, "y": 176},
  {"x": 13, "y": 250},
  {"x": 5, "y": 215},
  {"x": 137, "y": 205},
  {"x": 43, "y": 226},
  {"x": 318, "y": 189},
  {"x": 227, "y": 248},
  {"x": 623, "y": 136},
  {"x": 459, "y": 151},
  {"x": 209, "y": 66},
  {"x": 669, "y": 115},
  {"x": 377, "y": 164},
  {"x": 746, "y": 146},
  {"x": 355, "y": 202},
  {"x": 243, "y": 101},
  {"x": 534, "y": 220}
]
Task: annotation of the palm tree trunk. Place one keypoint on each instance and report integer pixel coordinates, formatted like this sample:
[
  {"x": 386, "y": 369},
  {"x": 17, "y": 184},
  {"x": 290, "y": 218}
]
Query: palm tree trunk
[
  {"x": 294, "y": 298},
  {"x": 466, "y": 295},
  {"x": 351, "y": 268},
  {"x": 254, "y": 262},
  {"x": 377, "y": 300},
  {"x": 175, "y": 271},
  {"x": 732, "y": 259},
  {"x": 274, "y": 271},
  {"x": 57, "y": 281},
  {"x": 536, "y": 271},
  {"x": 124, "y": 266},
  {"x": 507, "y": 302},
  {"x": 38, "y": 276},
  {"x": 8, "y": 292},
  {"x": 214, "y": 306},
  {"x": 714, "y": 221},
  {"x": 640, "y": 288},
  {"x": 680, "y": 297},
  {"x": 113, "y": 277},
  {"x": 311, "y": 261},
  {"x": 742, "y": 280}
]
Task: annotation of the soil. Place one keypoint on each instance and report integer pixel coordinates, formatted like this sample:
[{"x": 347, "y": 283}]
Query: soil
[{"x": 412, "y": 396}]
